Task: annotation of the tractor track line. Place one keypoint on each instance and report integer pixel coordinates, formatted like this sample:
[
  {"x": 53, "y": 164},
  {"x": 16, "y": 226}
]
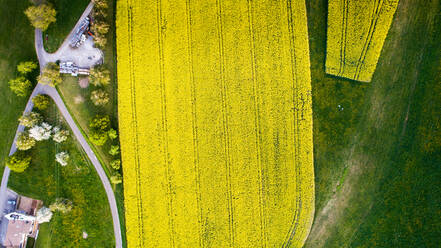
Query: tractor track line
[
  {"x": 194, "y": 121},
  {"x": 224, "y": 92},
  {"x": 164, "y": 123},
  {"x": 263, "y": 236}
]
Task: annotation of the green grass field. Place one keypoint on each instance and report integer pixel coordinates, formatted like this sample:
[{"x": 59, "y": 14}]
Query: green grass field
[
  {"x": 376, "y": 186},
  {"x": 68, "y": 12}
]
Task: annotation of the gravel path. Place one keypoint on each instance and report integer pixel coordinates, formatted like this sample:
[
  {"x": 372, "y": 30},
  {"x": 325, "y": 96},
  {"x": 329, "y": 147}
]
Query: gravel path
[{"x": 81, "y": 59}]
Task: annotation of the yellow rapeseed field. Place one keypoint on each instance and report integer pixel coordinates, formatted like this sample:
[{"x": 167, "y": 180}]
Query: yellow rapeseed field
[
  {"x": 215, "y": 122},
  {"x": 356, "y": 34}
]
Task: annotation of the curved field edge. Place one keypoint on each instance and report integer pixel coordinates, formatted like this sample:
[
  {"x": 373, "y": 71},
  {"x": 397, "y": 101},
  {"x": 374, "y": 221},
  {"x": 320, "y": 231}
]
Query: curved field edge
[{"x": 240, "y": 129}]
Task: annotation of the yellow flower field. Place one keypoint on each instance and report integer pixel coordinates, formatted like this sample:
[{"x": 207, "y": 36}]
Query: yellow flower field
[
  {"x": 215, "y": 124},
  {"x": 356, "y": 34}
]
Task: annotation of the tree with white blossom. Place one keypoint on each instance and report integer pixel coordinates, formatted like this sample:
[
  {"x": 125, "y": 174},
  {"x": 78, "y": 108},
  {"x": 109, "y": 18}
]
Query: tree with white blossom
[
  {"x": 62, "y": 158},
  {"x": 59, "y": 135},
  {"x": 44, "y": 214},
  {"x": 41, "y": 132}
]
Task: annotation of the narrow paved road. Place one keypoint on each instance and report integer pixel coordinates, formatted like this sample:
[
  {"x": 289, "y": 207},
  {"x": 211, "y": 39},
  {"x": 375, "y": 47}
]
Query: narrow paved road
[{"x": 43, "y": 58}]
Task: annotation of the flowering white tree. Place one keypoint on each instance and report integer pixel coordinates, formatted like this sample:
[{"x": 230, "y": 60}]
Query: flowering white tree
[
  {"x": 59, "y": 135},
  {"x": 41, "y": 132},
  {"x": 44, "y": 214},
  {"x": 62, "y": 158}
]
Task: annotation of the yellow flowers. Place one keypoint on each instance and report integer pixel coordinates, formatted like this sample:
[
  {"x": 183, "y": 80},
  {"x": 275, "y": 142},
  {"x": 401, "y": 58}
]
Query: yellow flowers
[
  {"x": 356, "y": 33},
  {"x": 215, "y": 123}
]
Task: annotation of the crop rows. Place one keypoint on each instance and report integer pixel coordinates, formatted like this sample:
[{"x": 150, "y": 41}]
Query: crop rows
[
  {"x": 215, "y": 123},
  {"x": 356, "y": 34}
]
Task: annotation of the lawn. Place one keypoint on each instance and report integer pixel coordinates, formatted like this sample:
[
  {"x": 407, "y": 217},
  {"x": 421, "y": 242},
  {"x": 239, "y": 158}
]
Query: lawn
[
  {"x": 376, "y": 186},
  {"x": 68, "y": 13},
  {"x": 47, "y": 180},
  {"x": 16, "y": 45}
]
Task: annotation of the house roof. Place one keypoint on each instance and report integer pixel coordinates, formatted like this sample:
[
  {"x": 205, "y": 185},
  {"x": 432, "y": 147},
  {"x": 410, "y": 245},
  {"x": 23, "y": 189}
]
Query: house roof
[
  {"x": 28, "y": 205},
  {"x": 16, "y": 228}
]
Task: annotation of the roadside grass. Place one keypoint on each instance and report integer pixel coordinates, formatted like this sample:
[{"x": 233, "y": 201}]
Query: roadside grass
[
  {"x": 68, "y": 12},
  {"x": 16, "y": 45},
  {"x": 390, "y": 189},
  {"x": 47, "y": 180}
]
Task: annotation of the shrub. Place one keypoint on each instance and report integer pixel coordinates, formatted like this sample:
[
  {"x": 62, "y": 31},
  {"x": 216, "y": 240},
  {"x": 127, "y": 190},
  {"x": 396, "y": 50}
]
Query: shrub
[
  {"x": 18, "y": 162},
  {"x": 41, "y": 102},
  {"x": 26, "y": 67},
  {"x": 59, "y": 135},
  {"x": 99, "y": 97},
  {"x": 116, "y": 178},
  {"x": 20, "y": 86},
  {"x": 24, "y": 141},
  {"x": 51, "y": 75},
  {"x": 99, "y": 76},
  {"x": 114, "y": 150},
  {"x": 62, "y": 158},
  {"x": 41, "y": 132},
  {"x": 98, "y": 138},
  {"x": 30, "y": 119},
  {"x": 41, "y": 16},
  {"x": 62, "y": 205},
  {"x": 100, "y": 122},
  {"x": 113, "y": 134},
  {"x": 115, "y": 164}
]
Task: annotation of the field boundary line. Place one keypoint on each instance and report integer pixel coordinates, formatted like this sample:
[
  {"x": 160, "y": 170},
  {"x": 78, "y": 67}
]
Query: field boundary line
[
  {"x": 135, "y": 125},
  {"x": 194, "y": 121},
  {"x": 343, "y": 37},
  {"x": 263, "y": 236},
  {"x": 224, "y": 92},
  {"x": 164, "y": 123},
  {"x": 296, "y": 130},
  {"x": 371, "y": 31}
]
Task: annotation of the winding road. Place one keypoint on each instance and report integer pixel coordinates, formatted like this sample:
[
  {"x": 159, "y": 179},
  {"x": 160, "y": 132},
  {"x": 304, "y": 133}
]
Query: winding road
[{"x": 44, "y": 58}]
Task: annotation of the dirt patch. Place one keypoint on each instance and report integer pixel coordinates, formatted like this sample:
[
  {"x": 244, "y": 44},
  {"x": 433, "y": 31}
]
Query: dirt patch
[{"x": 83, "y": 82}]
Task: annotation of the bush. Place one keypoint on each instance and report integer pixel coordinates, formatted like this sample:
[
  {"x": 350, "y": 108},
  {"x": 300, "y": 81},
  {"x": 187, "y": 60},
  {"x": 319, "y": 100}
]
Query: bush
[
  {"x": 41, "y": 102},
  {"x": 51, "y": 75},
  {"x": 62, "y": 158},
  {"x": 115, "y": 164},
  {"x": 18, "y": 162},
  {"x": 24, "y": 141},
  {"x": 112, "y": 134},
  {"x": 26, "y": 67},
  {"x": 41, "y": 16},
  {"x": 41, "y": 132},
  {"x": 100, "y": 122},
  {"x": 59, "y": 135},
  {"x": 62, "y": 205},
  {"x": 99, "y": 76},
  {"x": 114, "y": 150},
  {"x": 20, "y": 86},
  {"x": 99, "y": 97},
  {"x": 116, "y": 178},
  {"x": 98, "y": 138},
  {"x": 30, "y": 119}
]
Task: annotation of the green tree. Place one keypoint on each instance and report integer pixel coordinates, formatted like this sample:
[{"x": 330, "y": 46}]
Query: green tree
[
  {"x": 113, "y": 134},
  {"x": 100, "y": 27},
  {"x": 115, "y": 164},
  {"x": 41, "y": 102},
  {"x": 62, "y": 205},
  {"x": 24, "y": 141},
  {"x": 99, "y": 76},
  {"x": 116, "y": 178},
  {"x": 114, "y": 150},
  {"x": 26, "y": 67},
  {"x": 41, "y": 16},
  {"x": 100, "y": 123},
  {"x": 51, "y": 75},
  {"x": 98, "y": 137},
  {"x": 30, "y": 119},
  {"x": 18, "y": 162},
  {"x": 99, "y": 97},
  {"x": 20, "y": 86}
]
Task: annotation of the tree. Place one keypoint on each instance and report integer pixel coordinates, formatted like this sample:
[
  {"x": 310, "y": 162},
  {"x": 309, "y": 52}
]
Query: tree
[
  {"x": 98, "y": 137},
  {"x": 41, "y": 132},
  {"x": 59, "y": 135},
  {"x": 99, "y": 76},
  {"x": 41, "y": 102},
  {"x": 20, "y": 86},
  {"x": 44, "y": 214},
  {"x": 24, "y": 141},
  {"x": 100, "y": 8},
  {"x": 113, "y": 134},
  {"x": 114, "y": 150},
  {"x": 100, "y": 27},
  {"x": 100, "y": 122},
  {"x": 62, "y": 158},
  {"x": 41, "y": 16},
  {"x": 30, "y": 119},
  {"x": 100, "y": 40},
  {"x": 99, "y": 97},
  {"x": 26, "y": 67},
  {"x": 18, "y": 162},
  {"x": 115, "y": 164},
  {"x": 116, "y": 178},
  {"x": 62, "y": 205},
  {"x": 51, "y": 75}
]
